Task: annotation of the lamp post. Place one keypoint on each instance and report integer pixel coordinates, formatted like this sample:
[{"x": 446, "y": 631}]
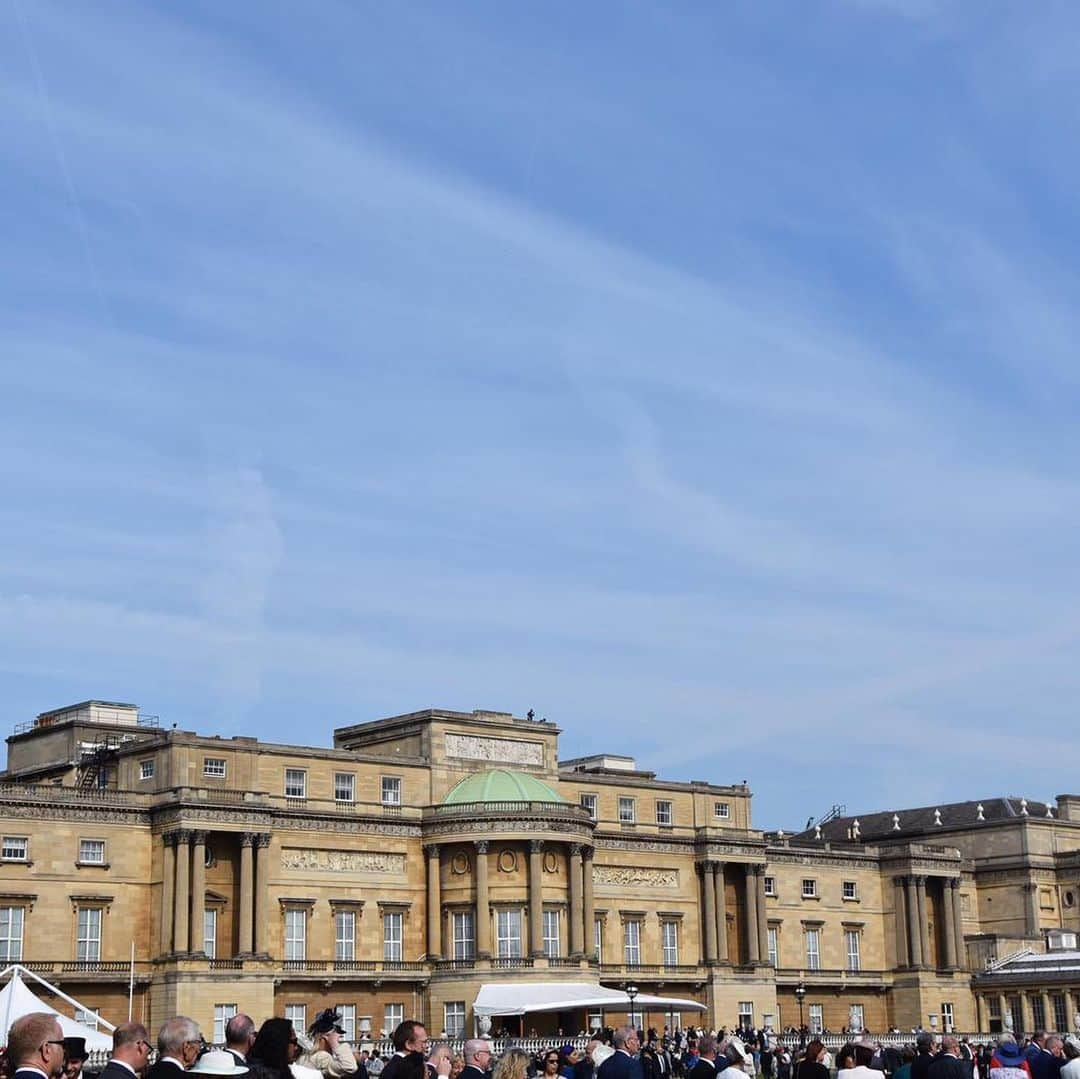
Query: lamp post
[
  {"x": 800, "y": 996},
  {"x": 631, "y": 991}
]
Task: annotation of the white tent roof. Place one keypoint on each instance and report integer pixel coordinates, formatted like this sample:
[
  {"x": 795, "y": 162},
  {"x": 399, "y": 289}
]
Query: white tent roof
[
  {"x": 17, "y": 1000},
  {"x": 517, "y": 998}
]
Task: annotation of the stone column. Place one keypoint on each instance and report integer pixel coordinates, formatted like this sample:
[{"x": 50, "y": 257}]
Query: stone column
[
  {"x": 752, "y": 943},
  {"x": 924, "y": 929},
  {"x": 1031, "y": 909},
  {"x": 577, "y": 911},
  {"x": 900, "y": 917},
  {"x": 536, "y": 897},
  {"x": 708, "y": 891},
  {"x": 949, "y": 921},
  {"x": 957, "y": 913},
  {"x": 434, "y": 902},
  {"x": 982, "y": 1016},
  {"x": 762, "y": 924},
  {"x": 483, "y": 906},
  {"x": 198, "y": 892},
  {"x": 262, "y": 893},
  {"x": 182, "y": 896},
  {"x": 914, "y": 934},
  {"x": 1025, "y": 1018},
  {"x": 721, "y": 913},
  {"x": 590, "y": 901},
  {"x": 247, "y": 894},
  {"x": 1003, "y": 1007},
  {"x": 1048, "y": 1013},
  {"x": 168, "y": 883}
]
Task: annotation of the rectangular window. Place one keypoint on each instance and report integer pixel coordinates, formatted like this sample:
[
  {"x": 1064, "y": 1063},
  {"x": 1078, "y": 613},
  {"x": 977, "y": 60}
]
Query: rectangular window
[
  {"x": 213, "y": 767},
  {"x": 295, "y": 783},
  {"x": 463, "y": 934},
  {"x": 770, "y": 887},
  {"x": 344, "y": 787},
  {"x": 348, "y": 1021},
  {"x": 632, "y": 943},
  {"x": 809, "y": 888},
  {"x": 297, "y": 1015},
  {"x": 850, "y": 889},
  {"x": 596, "y": 1020},
  {"x": 222, "y": 1014},
  {"x": 92, "y": 851},
  {"x": 627, "y": 811},
  {"x": 14, "y": 848},
  {"x": 663, "y": 813},
  {"x": 851, "y": 939},
  {"x": 855, "y": 1018},
  {"x": 345, "y": 936},
  {"x": 1061, "y": 1016},
  {"x": 815, "y": 1015},
  {"x": 88, "y": 1017},
  {"x": 146, "y": 769},
  {"x": 1038, "y": 1012},
  {"x": 598, "y": 938},
  {"x": 722, "y": 810},
  {"x": 295, "y": 935},
  {"x": 508, "y": 933},
  {"x": 454, "y": 1018},
  {"x": 11, "y": 934},
  {"x": 636, "y": 1018},
  {"x": 391, "y": 791},
  {"x": 551, "y": 933},
  {"x": 774, "y": 945},
  {"x": 948, "y": 1019},
  {"x": 813, "y": 949},
  {"x": 393, "y": 936},
  {"x": 393, "y": 1015},
  {"x": 210, "y": 936},
  {"x": 588, "y": 803},
  {"x": 746, "y": 1014},
  {"x": 88, "y": 940},
  {"x": 669, "y": 939}
]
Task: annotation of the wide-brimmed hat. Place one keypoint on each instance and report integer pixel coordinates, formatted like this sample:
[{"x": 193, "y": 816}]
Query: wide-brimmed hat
[{"x": 218, "y": 1062}]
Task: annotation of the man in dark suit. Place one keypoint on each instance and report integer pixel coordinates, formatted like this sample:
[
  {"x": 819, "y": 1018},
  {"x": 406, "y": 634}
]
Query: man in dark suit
[
  {"x": 477, "y": 1053},
  {"x": 924, "y": 1045},
  {"x": 948, "y": 1064},
  {"x": 622, "y": 1064},
  {"x": 74, "y": 1057},
  {"x": 179, "y": 1043},
  {"x": 705, "y": 1068},
  {"x": 131, "y": 1051},
  {"x": 36, "y": 1046},
  {"x": 409, "y": 1037},
  {"x": 240, "y": 1037}
]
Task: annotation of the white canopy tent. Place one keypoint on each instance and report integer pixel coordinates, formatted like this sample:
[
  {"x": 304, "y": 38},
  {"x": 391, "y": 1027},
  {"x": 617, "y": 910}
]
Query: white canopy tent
[
  {"x": 16, "y": 1000},
  {"x": 519, "y": 998}
]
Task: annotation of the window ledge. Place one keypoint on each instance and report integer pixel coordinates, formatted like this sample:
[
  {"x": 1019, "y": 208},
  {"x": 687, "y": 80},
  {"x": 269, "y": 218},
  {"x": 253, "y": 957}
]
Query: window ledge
[
  {"x": 16, "y": 861},
  {"x": 812, "y": 898},
  {"x": 851, "y": 899},
  {"x": 93, "y": 865}
]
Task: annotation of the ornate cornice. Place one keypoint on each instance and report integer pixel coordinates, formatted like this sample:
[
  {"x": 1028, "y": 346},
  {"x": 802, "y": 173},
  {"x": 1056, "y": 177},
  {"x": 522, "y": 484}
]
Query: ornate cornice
[{"x": 113, "y": 814}]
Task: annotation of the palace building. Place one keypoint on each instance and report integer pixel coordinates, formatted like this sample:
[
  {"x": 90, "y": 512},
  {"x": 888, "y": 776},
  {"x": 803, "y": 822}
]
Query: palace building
[{"x": 428, "y": 857}]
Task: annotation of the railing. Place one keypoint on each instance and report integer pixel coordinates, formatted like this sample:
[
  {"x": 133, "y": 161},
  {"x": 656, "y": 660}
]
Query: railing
[
  {"x": 455, "y": 964},
  {"x": 554, "y": 810},
  {"x": 49, "y": 792},
  {"x": 640, "y": 969},
  {"x": 563, "y": 961},
  {"x": 520, "y": 962},
  {"x": 353, "y": 966},
  {"x": 226, "y": 964},
  {"x": 94, "y": 966}
]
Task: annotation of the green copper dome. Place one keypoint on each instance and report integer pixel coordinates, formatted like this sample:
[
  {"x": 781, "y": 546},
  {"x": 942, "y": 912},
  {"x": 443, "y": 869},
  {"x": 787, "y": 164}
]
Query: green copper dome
[{"x": 501, "y": 785}]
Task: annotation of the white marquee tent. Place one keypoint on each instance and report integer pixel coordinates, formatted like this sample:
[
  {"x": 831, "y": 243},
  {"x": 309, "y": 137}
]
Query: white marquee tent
[
  {"x": 519, "y": 998},
  {"x": 17, "y": 999}
]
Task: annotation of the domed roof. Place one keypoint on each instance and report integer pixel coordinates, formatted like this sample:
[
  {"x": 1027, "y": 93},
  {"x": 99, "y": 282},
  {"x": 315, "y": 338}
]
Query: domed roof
[{"x": 501, "y": 785}]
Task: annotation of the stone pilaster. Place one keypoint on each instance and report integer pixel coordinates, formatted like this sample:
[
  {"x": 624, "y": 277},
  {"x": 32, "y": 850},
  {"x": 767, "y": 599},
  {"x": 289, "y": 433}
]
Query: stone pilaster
[
  {"x": 914, "y": 933},
  {"x": 198, "y": 892},
  {"x": 483, "y": 904},
  {"x": 168, "y": 890},
  {"x": 721, "y": 913},
  {"x": 957, "y": 914},
  {"x": 536, "y": 897},
  {"x": 750, "y": 898},
  {"x": 182, "y": 897},
  {"x": 708, "y": 889},
  {"x": 262, "y": 893},
  {"x": 900, "y": 918},
  {"x": 949, "y": 922},
  {"x": 589, "y": 901},
  {"x": 247, "y": 894},
  {"x": 924, "y": 921},
  {"x": 762, "y": 923},
  {"x": 577, "y": 912},
  {"x": 434, "y": 902}
]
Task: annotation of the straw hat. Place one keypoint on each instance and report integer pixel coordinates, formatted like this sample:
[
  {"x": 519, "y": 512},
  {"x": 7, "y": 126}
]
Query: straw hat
[{"x": 217, "y": 1062}]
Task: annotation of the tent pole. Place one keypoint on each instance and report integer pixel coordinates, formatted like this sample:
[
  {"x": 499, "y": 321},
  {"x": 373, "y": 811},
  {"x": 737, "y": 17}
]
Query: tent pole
[
  {"x": 11, "y": 995},
  {"x": 18, "y": 969}
]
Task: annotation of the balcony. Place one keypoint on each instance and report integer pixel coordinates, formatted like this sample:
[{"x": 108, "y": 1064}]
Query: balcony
[
  {"x": 106, "y": 970},
  {"x": 471, "y": 811},
  {"x": 353, "y": 969},
  {"x": 829, "y": 976},
  {"x": 518, "y": 962},
  {"x": 652, "y": 970}
]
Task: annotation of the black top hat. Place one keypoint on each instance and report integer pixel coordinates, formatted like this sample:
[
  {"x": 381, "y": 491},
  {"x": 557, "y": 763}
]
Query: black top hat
[
  {"x": 325, "y": 1022},
  {"x": 75, "y": 1048}
]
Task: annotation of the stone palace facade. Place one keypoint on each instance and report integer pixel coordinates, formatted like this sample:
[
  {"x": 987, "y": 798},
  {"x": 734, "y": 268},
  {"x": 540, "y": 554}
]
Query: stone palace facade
[{"x": 428, "y": 854}]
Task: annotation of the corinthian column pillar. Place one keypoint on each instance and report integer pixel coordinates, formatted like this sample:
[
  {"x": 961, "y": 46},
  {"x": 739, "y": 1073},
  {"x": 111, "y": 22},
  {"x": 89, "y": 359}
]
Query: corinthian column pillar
[
  {"x": 168, "y": 887},
  {"x": 708, "y": 889},
  {"x": 900, "y": 917},
  {"x": 577, "y": 913},
  {"x": 536, "y": 897},
  {"x": 914, "y": 933},
  {"x": 182, "y": 899},
  {"x": 957, "y": 914},
  {"x": 247, "y": 894},
  {"x": 434, "y": 902},
  {"x": 483, "y": 907},
  {"x": 947, "y": 917},
  {"x": 590, "y": 901},
  {"x": 721, "y": 912},
  {"x": 762, "y": 922},
  {"x": 752, "y": 942},
  {"x": 198, "y": 892},
  {"x": 262, "y": 893},
  {"x": 924, "y": 921}
]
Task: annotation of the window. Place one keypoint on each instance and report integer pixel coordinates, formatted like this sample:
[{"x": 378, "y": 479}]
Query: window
[
  {"x": 213, "y": 767},
  {"x": 348, "y": 1021},
  {"x": 14, "y": 848},
  {"x": 508, "y": 933},
  {"x": 463, "y": 934},
  {"x": 344, "y": 787},
  {"x": 627, "y": 811},
  {"x": 88, "y": 939},
  {"x": 948, "y": 1019},
  {"x": 393, "y": 1014},
  {"x": 92, "y": 851},
  {"x": 855, "y": 1018},
  {"x": 770, "y": 887},
  {"x": 851, "y": 939},
  {"x": 746, "y": 1014},
  {"x": 222, "y": 1014},
  {"x": 295, "y": 935},
  {"x": 551, "y": 933},
  {"x": 669, "y": 940},
  {"x": 146, "y": 769},
  {"x": 722, "y": 810},
  {"x": 295, "y": 783},
  {"x": 454, "y": 1018},
  {"x": 632, "y": 943},
  {"x": 1038, "y": 1012},
  {"x": 11, "y": 932},
  {"x": 774, "y": 945},
  {"x": 393, "y": 936},
  {"x": 297, "y": 1015},
  {"x": 344, "y": 936},
  {"x": 588, "y": 803},
  {"x": 391, "y": 791},
  {"x": 210, "y": 935},
  {"x": 813, "y": 949},
  {"x": 598, "y": 938},
  {"x": 88, "y": 1017},
  {"x": 809, "y": 888},
  {"x": 663, "y": 813},
  {"x": 1061, "y": 1017},
  {"x": 850, "y": 889},
  {"x": 817, "y": 1021},
  {"x": 596, "y": 1020},
  {"x": 635, "y": 1018}
]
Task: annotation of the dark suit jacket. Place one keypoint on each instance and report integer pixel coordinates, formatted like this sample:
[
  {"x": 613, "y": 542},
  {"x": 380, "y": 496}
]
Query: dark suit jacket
[
  {"x": 164, "y": 1069},
  {"x": 920, "y": 1066},
  {"x": 112, "y": 1070},
  {"x": 620, "y": 1066},
  {"x": 395, "y": 1065},
  {"x": 471, "y": 1071},
  {"x": 703, "y": 1069},
  {"x": 584, "y": 1068},
  {"x": 944, "y": 1066}
]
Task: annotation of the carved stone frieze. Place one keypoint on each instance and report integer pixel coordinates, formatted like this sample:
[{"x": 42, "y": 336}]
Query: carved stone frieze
[
  {"x": 44, "y": 811},
  {"x": 349, "y": 827},
  {"x": 497, "y": 750},
  {"x": 634, "y": 876},
  {"x": 468, "y": 828},
  {"x": 343, "y": 861},
  {"x": 842, "y": 861}
]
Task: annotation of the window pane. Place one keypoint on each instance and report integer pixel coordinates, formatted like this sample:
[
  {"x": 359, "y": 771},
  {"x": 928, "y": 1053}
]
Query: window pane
[
  {"x": 671, "y": 943},
  {"x": 508, "y": 933},
  {"x": 210, "y": 933},
  {"x": 295, "y": 783},
  {"x": 345, "y": 935},
  {"x": 551, "y": 933},
  {"x": 393, "y": 1014},
  {"x": 11, "y": 930},
  {"x": 297, "y": 1015},
  {"x": 344, "y": 787},
  {"x": 632, "y": 942},
  {"x": 392, "y": 942},
  {"x": 295, "y": 934},
  {"x": 463, "y": 934},
  {"x": 391, "y": 791}
]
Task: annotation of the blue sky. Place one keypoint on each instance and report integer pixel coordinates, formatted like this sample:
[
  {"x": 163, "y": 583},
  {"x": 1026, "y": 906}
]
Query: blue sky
[{"x": 702, "y": 376}]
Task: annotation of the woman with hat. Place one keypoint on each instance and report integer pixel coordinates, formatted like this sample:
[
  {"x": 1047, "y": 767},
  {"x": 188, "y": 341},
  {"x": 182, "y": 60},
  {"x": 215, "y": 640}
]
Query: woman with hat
[
  {"x": 328, "y": 1053},
  {"x": 217, "y": 1062}
]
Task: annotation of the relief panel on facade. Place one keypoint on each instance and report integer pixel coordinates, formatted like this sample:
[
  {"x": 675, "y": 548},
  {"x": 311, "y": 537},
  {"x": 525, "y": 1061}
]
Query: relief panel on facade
[
  {"x": 343, "y": 861},
  {"x": 630, "y": 876},
  {"x": 500, "y": 750}
]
